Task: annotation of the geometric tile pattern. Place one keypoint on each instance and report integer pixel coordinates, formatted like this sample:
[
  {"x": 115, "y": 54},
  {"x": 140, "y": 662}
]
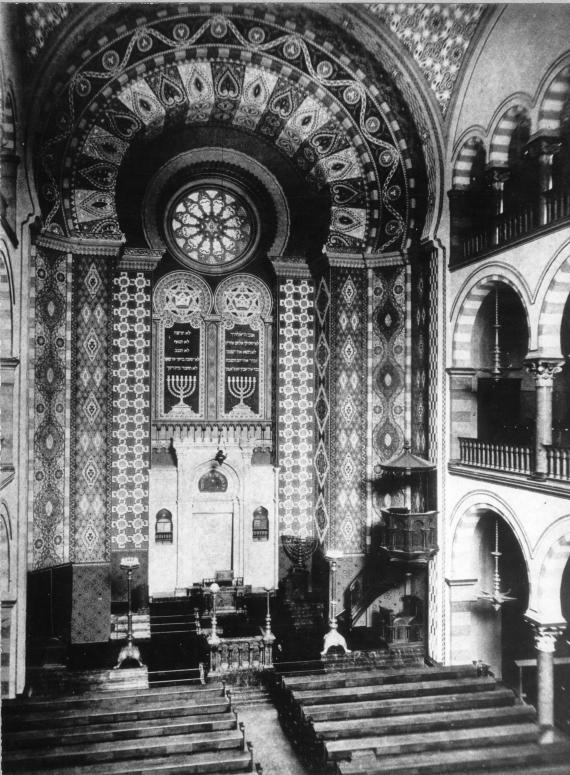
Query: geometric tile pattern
[
  {"x": 348, "y": 340},
  {"x": 130, "y": 410},
  {"x": 419, "y": 324},
  {"x": 322, "y": 408},
  {"x": 436, "y": 35},
  {"x": 294, "y": 404},
  {"x": 338, "y": 123},
  {"x": 388, "y": 347},
  {"x": 49, "y": 447},
  {"x": 41, "y": 19},
  {"x": 90, "y": 537}
]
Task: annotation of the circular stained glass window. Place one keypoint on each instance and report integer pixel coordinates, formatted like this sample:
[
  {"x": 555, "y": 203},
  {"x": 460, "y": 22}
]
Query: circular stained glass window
[{"x": 211, "y": 226}]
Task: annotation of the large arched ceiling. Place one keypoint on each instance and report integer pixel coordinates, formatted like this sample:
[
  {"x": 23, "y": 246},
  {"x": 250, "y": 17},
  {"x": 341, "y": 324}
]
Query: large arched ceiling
[{"x": 282, "y": 74}]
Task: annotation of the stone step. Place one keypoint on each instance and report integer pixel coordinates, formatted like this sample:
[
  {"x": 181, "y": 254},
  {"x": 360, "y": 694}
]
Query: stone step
[
  {"x": 193, "y": 764},
  {"x": 412, "y": 689},
  {"x": 122, "y": 730},
  {"x": 446, "y": 740},
  {"x": 486, "y": 759},
  {"x": 71, "y": 718},
  {"x": 119, "y": 699},
  {"x": 423, "y": 722},
  {"x": 394, "y": 707},
  {"x": 120, "y": 750},
  {"x": 376, "y": 677}
]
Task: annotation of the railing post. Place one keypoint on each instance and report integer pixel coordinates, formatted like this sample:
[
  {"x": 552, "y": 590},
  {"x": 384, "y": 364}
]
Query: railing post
[
  {"x": 543, "y": 371},
  {"x": 497, "y": 177}
]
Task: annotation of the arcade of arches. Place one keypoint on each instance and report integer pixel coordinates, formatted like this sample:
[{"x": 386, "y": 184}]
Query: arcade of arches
[{"x": 251, "y": 255}]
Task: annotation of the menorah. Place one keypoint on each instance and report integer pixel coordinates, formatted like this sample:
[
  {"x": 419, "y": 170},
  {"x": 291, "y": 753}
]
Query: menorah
[
  {"x": 299, "y": 550},
  {"x": 241, "y": 387},
  {"x": 181, "y": 386}
]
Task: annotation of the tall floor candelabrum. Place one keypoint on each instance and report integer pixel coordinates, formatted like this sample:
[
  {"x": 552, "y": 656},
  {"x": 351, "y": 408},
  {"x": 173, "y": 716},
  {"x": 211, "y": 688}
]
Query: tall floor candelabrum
[
  {"x": 129, "y": 651},
  {"x": 213, "y": 638},
  {"x": 333, "y": 638}
]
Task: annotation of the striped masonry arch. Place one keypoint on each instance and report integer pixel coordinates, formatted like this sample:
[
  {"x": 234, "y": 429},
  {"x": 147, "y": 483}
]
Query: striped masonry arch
[
  {"x": 463, "y": 167},
  {"x": 550, "y": 113},
  {"x": 499, "y": 149},
  {"x": 462, "y": 560},
  {"x": 550, "y": 321},
  {"x": 8, "y": 124},
  {"x": 5, "y": 308},
  {"x": 547, "y": 603},
  {"x": 463, "y": 332}
]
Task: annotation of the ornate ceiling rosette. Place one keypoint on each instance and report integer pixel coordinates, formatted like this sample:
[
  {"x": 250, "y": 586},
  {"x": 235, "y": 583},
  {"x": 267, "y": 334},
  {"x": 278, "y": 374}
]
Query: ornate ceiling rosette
[{"x": 155, "y": 69}]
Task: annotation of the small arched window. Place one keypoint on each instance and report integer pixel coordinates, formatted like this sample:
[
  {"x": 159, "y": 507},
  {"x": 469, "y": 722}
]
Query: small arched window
[
  {"x": 260, "y": 524},
  {"x": 163, "y": 530}
]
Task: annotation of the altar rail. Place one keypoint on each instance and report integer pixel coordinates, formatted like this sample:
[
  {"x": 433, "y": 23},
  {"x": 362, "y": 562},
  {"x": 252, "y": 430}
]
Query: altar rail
[
  {"x": 241, "y": 653},
  {"x": 499, "y": 457},
  {"x": 212, "y": 433}
]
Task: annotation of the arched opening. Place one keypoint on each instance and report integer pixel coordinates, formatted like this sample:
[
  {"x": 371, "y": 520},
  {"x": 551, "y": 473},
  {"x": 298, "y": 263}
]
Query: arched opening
[
  {"x": 521, "y": 187},
  {"x": 487, "y": 612},
  {"x": 505, "y": 394}
]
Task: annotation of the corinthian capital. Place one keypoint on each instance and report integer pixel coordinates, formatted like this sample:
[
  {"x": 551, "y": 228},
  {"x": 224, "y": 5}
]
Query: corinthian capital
[
  {"x": 543, "y": 370},
  {"x": 546, "y": 635}
]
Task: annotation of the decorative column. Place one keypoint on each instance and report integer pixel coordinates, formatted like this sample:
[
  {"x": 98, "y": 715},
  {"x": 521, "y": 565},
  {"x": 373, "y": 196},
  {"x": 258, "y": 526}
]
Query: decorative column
[
  {"x": 295, "y": 395},
  {"x": 543, "y": 149},
  {"x": 130, "y": 434},
  {"x": 497, "y": 177},
  {"x": 543, "y": 371},
  {"x": 545, "y": 636}
]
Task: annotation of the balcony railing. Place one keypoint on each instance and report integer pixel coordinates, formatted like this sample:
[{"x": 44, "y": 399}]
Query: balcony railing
[
  {"x": 241, "y": 653},
  {"x": 500, "y": 457},
  {"x": 409, "y": 536},
  {"x": 558, "y": 463},
  {"x": 552, "y": 207}
]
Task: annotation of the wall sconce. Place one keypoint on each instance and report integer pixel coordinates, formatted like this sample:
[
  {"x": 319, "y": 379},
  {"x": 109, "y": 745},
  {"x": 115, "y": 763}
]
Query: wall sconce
[{"x": 220, "y": 456}]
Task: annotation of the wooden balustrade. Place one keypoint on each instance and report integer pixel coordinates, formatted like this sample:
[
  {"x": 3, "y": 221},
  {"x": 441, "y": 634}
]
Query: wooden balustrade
[
  {"x": 241, "y": 653},
  {"x": 558, "y": 463},
  {"x": 500, "y": 457},
  {"x": 553, "y": 206}
]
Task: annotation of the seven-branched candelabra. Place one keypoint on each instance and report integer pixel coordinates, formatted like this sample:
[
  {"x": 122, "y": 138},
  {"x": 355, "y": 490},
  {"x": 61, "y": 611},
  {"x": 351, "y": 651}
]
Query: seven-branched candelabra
[{"x": 181, "y": 386}]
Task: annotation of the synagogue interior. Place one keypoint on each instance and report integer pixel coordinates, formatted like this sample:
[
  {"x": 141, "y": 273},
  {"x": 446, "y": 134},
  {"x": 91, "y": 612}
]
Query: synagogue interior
[{"x": 285, "y": 387}]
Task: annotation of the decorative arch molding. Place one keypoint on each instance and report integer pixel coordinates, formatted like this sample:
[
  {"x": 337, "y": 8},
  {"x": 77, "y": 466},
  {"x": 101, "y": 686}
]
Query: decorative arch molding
[
  {"x": 554, "y": 301},
  {"x": 503, "y": 124},
  {"x": 463, "y": 162},
  {"x": 269, "y": 76},
  {"x": 468, "y": 302},
  {"x": 551, "y": 96},
  {"x": 233, "y": 492},
  {"x": 464, "y": 520},
  {"x": 5, "y": 546},
  {"x": 551, "y": 555},
  {"x": 6, "y": 300}
]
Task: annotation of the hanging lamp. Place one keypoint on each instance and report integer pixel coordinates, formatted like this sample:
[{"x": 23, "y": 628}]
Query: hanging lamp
[{"x": 496, "y": 598}]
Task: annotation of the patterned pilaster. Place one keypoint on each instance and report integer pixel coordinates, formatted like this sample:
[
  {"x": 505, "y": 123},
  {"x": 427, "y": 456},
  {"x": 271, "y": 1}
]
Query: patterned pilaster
[
  {"x": 130, "y": 409},
  {"x": 295, "y": 396},
  {"x": 50, "y": 398},
  {"x": 388, "y": 347},
  {"x": 322, "y": 408},
  {"x": 89, "y": 429},
  {"x": 348, "y": 405}
]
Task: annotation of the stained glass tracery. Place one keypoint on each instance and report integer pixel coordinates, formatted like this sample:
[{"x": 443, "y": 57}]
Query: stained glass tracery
[{"x": 211, "y": 226}]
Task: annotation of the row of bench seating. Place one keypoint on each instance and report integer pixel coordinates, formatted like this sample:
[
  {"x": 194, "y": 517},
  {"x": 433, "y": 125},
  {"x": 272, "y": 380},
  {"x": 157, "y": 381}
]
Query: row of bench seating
[
  {"x": 414, "y": 721},
  {"x": 163, "y": 730}
]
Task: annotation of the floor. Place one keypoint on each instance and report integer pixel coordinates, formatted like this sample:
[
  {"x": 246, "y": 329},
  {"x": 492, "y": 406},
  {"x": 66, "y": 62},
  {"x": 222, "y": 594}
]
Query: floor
[{"x": 271, "y": 748}]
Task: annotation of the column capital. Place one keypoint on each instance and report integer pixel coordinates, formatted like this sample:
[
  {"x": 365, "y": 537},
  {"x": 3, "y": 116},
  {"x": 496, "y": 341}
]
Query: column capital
[
  {"x": 139, "y": 259},
  {"x": 291, "y": 266},
  {"x": 542, "y": 146},
  {"x": 543, "y": 369},
  {"x": 106, "y": 248},
  {"x": 345, "y": 259},
  {"x": 546, "y": 635},
  {"x": 497, "y": 177}
]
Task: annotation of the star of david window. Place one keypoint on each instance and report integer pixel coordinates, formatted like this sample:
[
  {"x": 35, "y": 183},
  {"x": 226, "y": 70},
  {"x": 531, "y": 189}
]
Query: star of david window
[{"x": 211, "y": 228}]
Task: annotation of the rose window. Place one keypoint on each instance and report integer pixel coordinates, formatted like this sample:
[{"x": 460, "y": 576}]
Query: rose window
[{"x": 211, "y": 226}]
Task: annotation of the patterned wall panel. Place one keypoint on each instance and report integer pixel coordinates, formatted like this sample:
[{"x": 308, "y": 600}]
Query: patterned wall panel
[
  {"x": 322, "y": 408},
  {"x": 130, "y": 410},
  {"x": 50, "y": 397},
  {"x": 89, "y": 484},
  {"x": 348, "y": 408},
  {"x": 295, "y": 400},
  {"x": 388, "y": 347},
  {"x": 91, "y": 604},
  {"x": 420, "y": 355}
]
